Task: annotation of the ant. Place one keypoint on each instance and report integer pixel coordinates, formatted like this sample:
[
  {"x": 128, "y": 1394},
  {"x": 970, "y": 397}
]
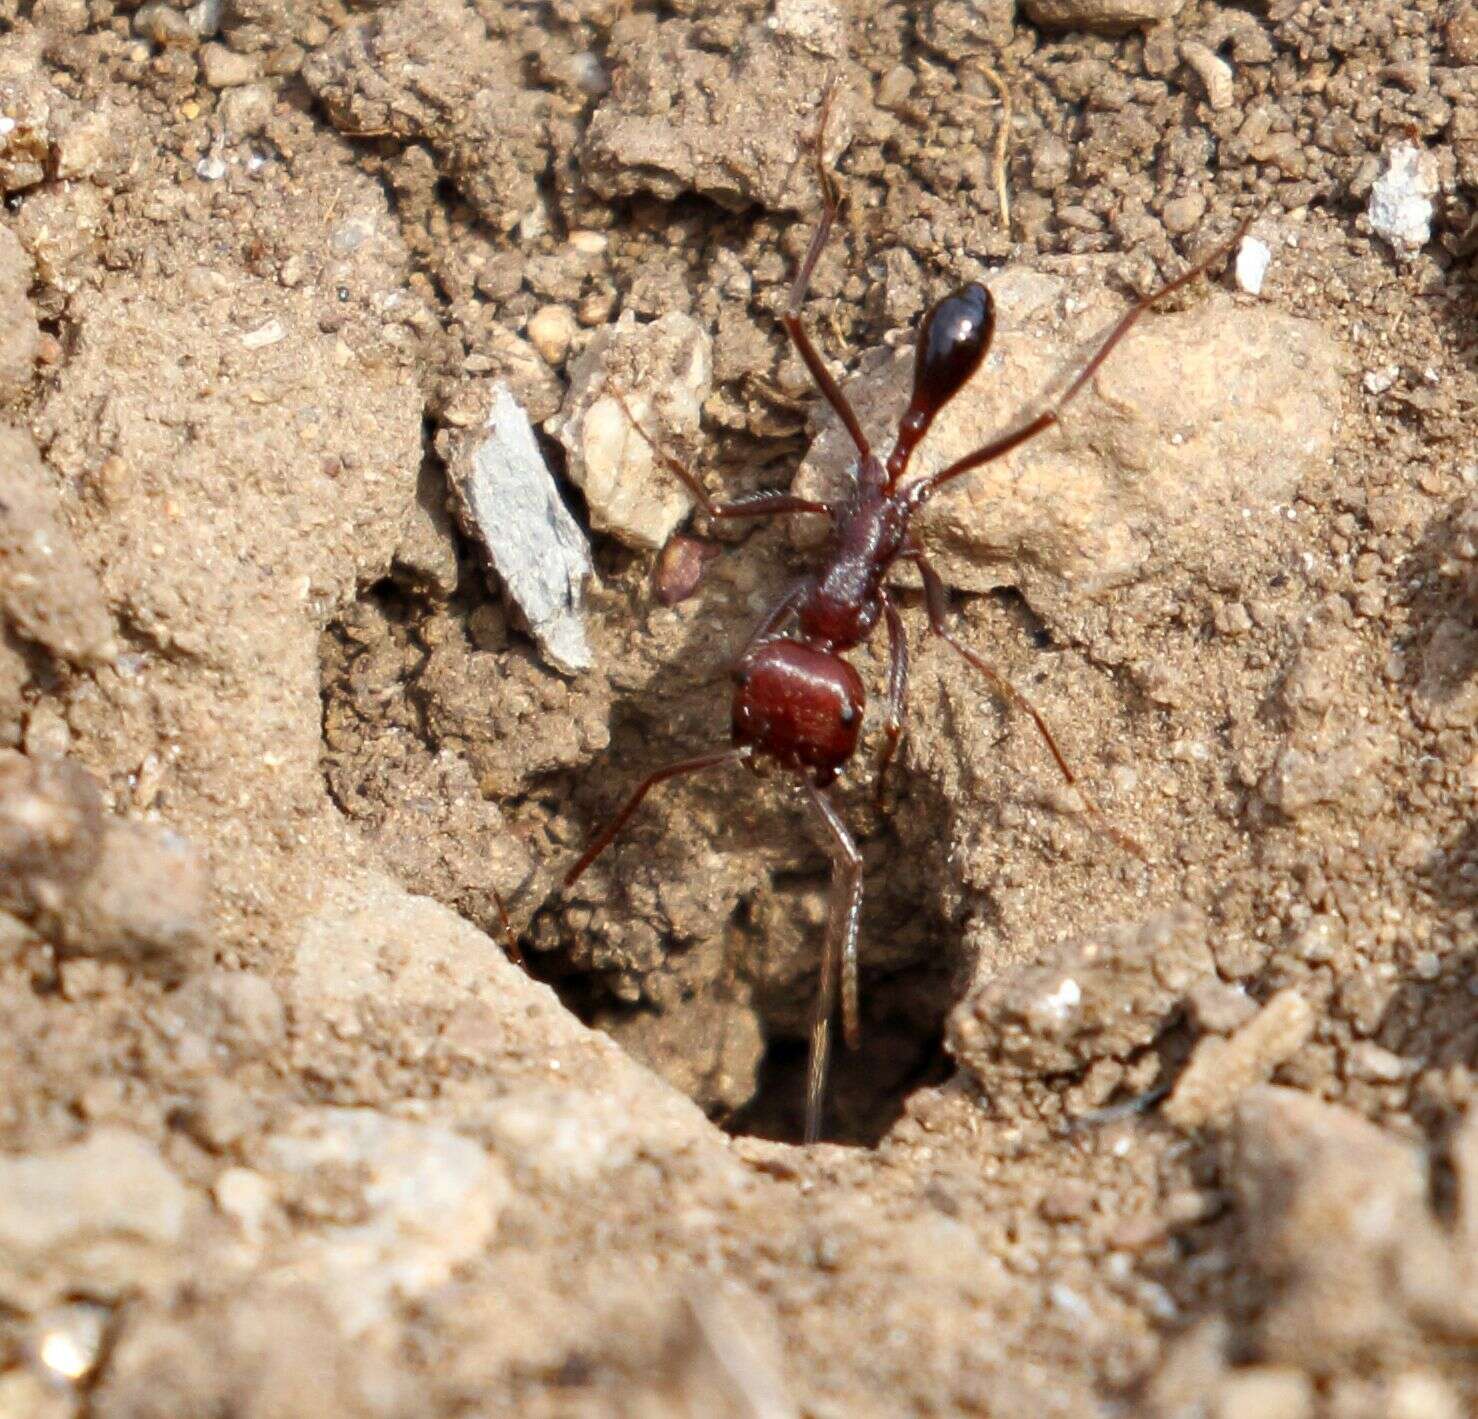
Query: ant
[{"x": 797, "y": 702}]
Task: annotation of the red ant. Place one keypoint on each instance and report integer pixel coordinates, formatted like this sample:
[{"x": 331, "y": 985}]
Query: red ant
[{"x": 796, "y": 700}]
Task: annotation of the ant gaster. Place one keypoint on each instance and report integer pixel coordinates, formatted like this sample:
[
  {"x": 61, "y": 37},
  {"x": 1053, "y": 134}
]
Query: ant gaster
[{"x": 796, "y": 700}]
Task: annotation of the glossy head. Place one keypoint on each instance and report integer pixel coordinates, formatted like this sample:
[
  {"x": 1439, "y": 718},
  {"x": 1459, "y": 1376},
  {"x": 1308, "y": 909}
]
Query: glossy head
[
  {"x": 800, "y": 706},
  {"x": 953, "y": 341}
]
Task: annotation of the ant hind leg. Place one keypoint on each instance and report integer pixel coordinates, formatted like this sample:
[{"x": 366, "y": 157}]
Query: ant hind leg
[{"x": 838, "y": 958}]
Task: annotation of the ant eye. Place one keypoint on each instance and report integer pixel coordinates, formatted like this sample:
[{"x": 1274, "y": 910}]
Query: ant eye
[{"x": 952, "y": 342}]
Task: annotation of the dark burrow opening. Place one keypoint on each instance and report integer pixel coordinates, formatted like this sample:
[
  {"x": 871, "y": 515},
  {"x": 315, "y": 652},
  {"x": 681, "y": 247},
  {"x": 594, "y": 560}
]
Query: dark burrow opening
[
  {"x": 868, "y": 1092},
  {"x": 402, "y": 702},
  {"x": 727, "y": 1019},
  {"x": 902, "y": 1050}
]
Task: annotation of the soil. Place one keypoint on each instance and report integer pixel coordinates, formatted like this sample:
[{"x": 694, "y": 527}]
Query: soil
[{"x": 283, "y": 1128}]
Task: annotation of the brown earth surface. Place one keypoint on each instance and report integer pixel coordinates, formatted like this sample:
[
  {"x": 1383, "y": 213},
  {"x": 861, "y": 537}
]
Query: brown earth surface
[{"x": 282, "y": 1129}]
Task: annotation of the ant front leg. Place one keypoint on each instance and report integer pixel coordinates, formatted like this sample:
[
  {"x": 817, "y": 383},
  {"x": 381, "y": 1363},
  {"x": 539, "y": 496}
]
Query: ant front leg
[
  {"x": 791, "y": 318},
  {"x": 897, "y": 689},
  {"x": 838, "y": 957},
  {"x": 760, "y": 504},
  {"x": 938, "y": 602}
]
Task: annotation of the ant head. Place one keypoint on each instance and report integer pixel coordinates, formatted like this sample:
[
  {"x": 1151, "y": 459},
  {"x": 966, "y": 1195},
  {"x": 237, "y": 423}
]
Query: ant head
[{"x": 953, "y": 340}]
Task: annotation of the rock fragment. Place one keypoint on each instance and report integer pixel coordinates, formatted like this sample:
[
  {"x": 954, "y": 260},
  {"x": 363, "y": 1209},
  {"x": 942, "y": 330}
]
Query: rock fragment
[
  {"x": 1253, "y": 259},
  {"x": 685, "y": 116},
  {"x": 424, "y": 1199},
  {"x": 1336, "y": 762},
  {"x": 27, "y": 124},
  {"x": 508, "y": 504},
  {"x": 1215, "y": 74},
  {"x": 1097, "y": 997},
  {"x": 1461, "y": 32},
  {"x": 372, "y": 941},
  {"x": 51, "y": 832},
  {"x": 1203, "y": 420},
  {"x": 48, "y": 593},
  {"x": 95, "y": 885},
  {"x": 102, "y": 1218},
  {"x": 1329, "y": 1202},
  {"x": 145, "y": 903},
  {"x": 551, "y": 328},
  {"x": 663, "y": 372},
  {"x": 1222, "y": 1070},
  {"x": 1402, "y": 200},
  {"x": 1106, "y": 15}
]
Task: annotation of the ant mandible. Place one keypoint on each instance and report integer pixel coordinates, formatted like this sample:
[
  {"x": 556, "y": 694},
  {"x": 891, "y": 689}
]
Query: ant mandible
[{"x": 796, "y": 700}]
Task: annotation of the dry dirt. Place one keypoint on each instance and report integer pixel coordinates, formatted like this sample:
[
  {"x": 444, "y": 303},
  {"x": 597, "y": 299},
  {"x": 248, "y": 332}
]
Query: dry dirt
[{"x": 283, "y": 1132}]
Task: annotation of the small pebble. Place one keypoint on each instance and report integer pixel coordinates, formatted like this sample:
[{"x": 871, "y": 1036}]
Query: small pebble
[
  {"x": 1220, "y": 1008},
  {"x": 1220, "y": 1071},
  {"x": 551, "y": 329},
  {"x": 164, "y": 25},
  {"x": 266, "y": 334},
  {"x": 1264, "y": 1392},
  {"x": 1401, "y": 200},
  {"x": 224, "y": 68},
  {"x": 1253, "y": 259},
  {"x": 1214, "y": 73},
  {"x": 895, "y": 87},
  {"x": 1461, "y": 32},
  {"x": 679, "y": 568},
  {"x": 1418, "y": 1395},
  {"x": 1182, "y": 214},
  {"x": 1367, "y": 1060},
  {"x": 588, "y": 243},
  {"x": 1377, "y": 381},
  {"x": 67, "y": 1341}
]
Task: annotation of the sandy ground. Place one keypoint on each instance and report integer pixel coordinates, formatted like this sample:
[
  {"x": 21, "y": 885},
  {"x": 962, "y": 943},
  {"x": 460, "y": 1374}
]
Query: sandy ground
[{"x": 282, "y": 1129}]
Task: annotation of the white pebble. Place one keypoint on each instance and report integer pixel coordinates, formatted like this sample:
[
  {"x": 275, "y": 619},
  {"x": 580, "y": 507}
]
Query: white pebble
[
  {"x": 587, "y": 242},
  {"x": 1400, "y": 206},
  {"x": 1067, "y": 995},
  {"x": 1379, "y": 380},
  {"x": 1253, "y": 259},
  {"x": 263, "y": 335}
]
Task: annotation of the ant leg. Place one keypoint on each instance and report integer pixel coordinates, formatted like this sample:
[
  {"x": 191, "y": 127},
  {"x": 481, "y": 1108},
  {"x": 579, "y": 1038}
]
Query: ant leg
[
  {"x": 791, "y": 316},
  {"x": 608, "y": 833},
  {"x": 897, "y": 689},
  {"x": 510, "y": 937},
  {"x": 776, "y": 615},
  {"x": 838, "y": 957},
  {"x": 919, "y": 492},
  {"x": 938, "y": 602},
  {"x": 761, "y": 504}
]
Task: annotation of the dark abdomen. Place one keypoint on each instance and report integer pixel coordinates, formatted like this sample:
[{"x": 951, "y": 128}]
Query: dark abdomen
[{"x": 800, "y": 706}]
